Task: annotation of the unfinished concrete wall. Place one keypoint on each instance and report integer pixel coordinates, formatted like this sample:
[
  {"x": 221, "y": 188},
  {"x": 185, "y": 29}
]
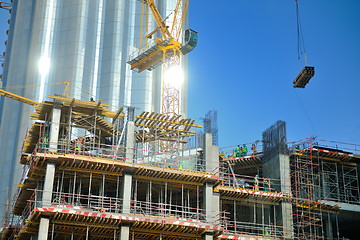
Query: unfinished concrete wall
[{"x": 276, "y": 165}]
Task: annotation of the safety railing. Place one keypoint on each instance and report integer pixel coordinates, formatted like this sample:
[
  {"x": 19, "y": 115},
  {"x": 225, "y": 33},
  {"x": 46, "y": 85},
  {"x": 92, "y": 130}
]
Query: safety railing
[
  {"x": 251, "y": 228},
  {"x": 168, "y": 210},
  {"x": 254, "y": 183},
  {"x": 243, "y": 150},
  {"x": 137, "y": 52},
  {"x": 116, "y": 205},
  {"x": 327, "y": 145},
  {"x": 187, "y": 159}
]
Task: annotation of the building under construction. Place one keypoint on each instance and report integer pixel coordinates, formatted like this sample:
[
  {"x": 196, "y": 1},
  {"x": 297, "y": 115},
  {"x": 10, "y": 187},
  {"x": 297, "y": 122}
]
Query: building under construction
[{"x": 90, "y": 173}]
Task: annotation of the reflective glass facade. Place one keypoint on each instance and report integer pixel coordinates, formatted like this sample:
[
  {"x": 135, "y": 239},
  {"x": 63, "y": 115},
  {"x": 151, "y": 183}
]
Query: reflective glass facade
[{"x": 85, "y": 42}]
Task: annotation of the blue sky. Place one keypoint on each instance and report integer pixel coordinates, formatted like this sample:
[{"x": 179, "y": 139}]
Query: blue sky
[{"x": 246, "y": 60}]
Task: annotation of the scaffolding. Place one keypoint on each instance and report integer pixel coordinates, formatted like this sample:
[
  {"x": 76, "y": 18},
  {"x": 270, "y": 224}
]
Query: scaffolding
[
  {"x": 248, "y": 198},
  {"x": 112, "y": 171},
  {"x": 305, "y": 178},
  {"x": 93, "y": 160},
  {"x": 338, "y": 173}
]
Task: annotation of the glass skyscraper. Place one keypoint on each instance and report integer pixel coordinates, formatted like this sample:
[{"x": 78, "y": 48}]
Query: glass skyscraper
[{"x": 85, "y": 42}]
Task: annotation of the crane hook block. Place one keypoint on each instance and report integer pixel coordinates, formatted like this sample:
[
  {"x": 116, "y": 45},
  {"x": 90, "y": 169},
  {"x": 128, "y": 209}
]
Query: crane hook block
[{"x": 304, "y": 77}]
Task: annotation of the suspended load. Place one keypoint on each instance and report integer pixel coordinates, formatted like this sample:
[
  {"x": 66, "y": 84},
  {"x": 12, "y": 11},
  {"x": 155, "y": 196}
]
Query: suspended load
[{"x": 304, "y": 77}]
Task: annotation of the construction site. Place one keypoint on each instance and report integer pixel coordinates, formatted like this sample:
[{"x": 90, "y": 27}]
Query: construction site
[
  {"x": 90, "y": 172},
  {"x": 86, "y": 177}
]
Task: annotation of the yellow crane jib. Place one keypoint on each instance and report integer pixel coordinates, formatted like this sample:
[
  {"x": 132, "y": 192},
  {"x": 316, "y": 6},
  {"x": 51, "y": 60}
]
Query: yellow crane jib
[{"x": 18, "y": 98}]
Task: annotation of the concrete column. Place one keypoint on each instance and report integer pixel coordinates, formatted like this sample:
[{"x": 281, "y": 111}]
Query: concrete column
[
  {"x": 278, "y": 167},
  {"x": 130, "y": 141},
  {"x": 329, "y": 230},
  {"x": 211, "y": 200},
  {"x": 208, "y": 236},
  {"x": 48, "y": 184},
  {"x": 286, "y": 207},
  {"x": 211, "y": 203},
  {"x": 124, "y": 231},
  {"x": 43, "y": 228},
  {"x": 54, "y": 129},
  {"x": 127, "y": 176},
  {"x": 358, "y": 171},
  {"x": 211, "y": 155},
  {"x": 126, "y": 192},
  {"x": 208, "y": 190}
]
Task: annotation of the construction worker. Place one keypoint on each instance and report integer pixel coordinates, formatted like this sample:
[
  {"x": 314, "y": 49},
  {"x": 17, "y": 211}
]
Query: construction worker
[
  {"x": 253, "y": 148},
  {"x": 244, "y": 150},
  {"x": 266, "y": 231},
  {"x": 237, "y": 151},
  {"x": 45, "y": 143},
  {"x": 266, "y": 185},
  {"x": 78, "y": 144},
  {"x": 256, "y": 182}
]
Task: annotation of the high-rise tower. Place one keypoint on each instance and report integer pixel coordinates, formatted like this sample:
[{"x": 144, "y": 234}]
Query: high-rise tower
[{"x": 83, "y": 42}]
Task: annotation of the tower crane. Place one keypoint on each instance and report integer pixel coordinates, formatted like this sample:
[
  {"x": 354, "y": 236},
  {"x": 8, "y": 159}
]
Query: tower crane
[{"x": 166, "y": 51}]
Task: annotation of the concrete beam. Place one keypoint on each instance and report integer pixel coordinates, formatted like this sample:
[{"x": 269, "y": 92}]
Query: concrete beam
[{"x": 343, "y": 206}]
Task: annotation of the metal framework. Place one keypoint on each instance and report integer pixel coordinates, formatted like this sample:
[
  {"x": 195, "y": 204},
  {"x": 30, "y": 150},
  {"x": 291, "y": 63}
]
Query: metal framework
[
  {"x": 250, "y": 201},
  {"x": 274, "y": 139},
  {"x": 306, "y": 181},
  {"x": 211, "y": 125},
  {"x": 340, "y": 182}
]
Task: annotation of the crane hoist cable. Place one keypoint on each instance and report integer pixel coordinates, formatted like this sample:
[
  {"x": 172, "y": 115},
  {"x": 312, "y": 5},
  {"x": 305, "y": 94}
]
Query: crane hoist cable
[
  {"x": 300, "y": 35},
  {"x": 307, "y": 72}
]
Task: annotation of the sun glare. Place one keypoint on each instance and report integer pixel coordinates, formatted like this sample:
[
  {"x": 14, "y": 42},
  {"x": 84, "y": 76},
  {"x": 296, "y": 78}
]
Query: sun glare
[{"x": 174, "y": 76}]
